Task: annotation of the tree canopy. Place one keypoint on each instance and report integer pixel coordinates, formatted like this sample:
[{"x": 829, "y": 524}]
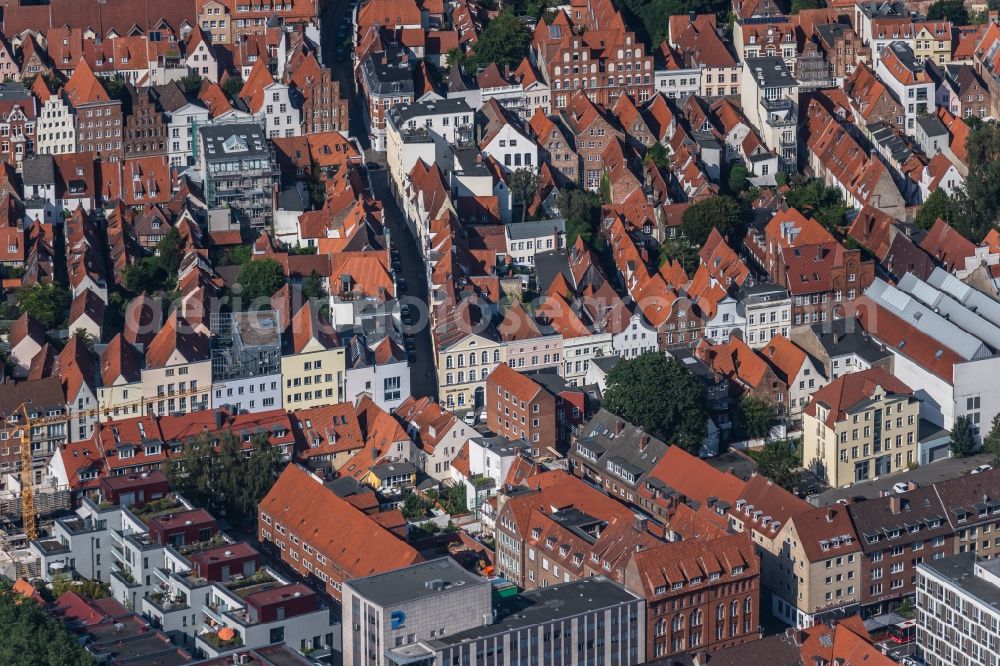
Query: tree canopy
[
  {"x": 937, "y": 205},
  {"x": 826, "y": 204},
  {"x": 779, "y": 462},
  {"x": 582, "y": 211},
  {"x": 32, "y": 637},
  {"x": 721, "y": 213},
  {"x": 756, "y": 417},
  {"x": 47, "y": 302},
  {"x": 523, "y": 183},
  {"x": 221, "y": 477},
  {"x": 504, "y": 41},
  {"x": 948, "y": 10},
  {"x": 963, "y": 440},
  {"x": 656, "y": 392},
  {"x": 991, "y": 442},
  {"x": 260, "y": 278}
]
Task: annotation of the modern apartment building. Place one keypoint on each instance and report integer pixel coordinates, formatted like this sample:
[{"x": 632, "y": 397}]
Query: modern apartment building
[
  {"x": 958, "y": 611},
  {"x": 237, "y": 169}
]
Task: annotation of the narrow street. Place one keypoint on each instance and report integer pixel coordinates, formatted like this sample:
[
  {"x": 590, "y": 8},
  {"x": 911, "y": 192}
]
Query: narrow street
[
  {"x": 423, "y": 377},
  {"x": 336, "y": 14}
]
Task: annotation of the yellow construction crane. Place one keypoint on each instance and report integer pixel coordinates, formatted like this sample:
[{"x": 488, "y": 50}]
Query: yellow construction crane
[{"x": 27, "y": 473}]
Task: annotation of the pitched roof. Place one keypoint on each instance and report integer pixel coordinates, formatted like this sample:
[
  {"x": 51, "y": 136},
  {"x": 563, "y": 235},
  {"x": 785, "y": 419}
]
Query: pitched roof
[
  {"x": 847, "y": 391},
  {"x": 519, "y": 385},
  {"x": 84, "y": 87},
  {"x": 350, "y": 539},
  {"x": 177, "y": 335},
  {"x": 947, "y": 246},
  {"x": 786, "y": 357}
]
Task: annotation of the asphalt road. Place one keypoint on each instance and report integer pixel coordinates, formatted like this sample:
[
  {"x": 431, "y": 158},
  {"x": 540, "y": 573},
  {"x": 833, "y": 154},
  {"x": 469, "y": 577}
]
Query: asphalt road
[
  {"x": 343, "y": 70},
  {"x": 423, "y": 377},
  {"x": 949, "y": 468}
]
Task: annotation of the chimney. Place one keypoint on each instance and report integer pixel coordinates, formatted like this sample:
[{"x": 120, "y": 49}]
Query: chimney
[
  {"x": 619, "y": 426},
  {"x": 829, "y": 515},
  {"x": 640, "y": 523},
  {"x": 692, "y": 16},
  {"x": 220, "y": 419},
  {"x": 643, "y": 442},
  {"x": 895, "y": 504}
]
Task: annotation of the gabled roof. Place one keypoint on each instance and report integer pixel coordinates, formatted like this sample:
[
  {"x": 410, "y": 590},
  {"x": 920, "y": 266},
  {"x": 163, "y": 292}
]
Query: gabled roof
[
  {"x": 84, "y": 87},
  {"x": 354, "y": 543},
  {"x": 847, "y": 391},
  {"x": 785, "y": 357},
  {"x": 947, "y": 246},
  {"x": 177, "y": 335}
]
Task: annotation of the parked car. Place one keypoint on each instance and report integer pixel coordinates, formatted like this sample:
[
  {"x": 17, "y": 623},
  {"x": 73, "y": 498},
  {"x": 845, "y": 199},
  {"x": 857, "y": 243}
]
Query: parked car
[
  {"x": 900, "y": 487},
  {"x": 471, "y": 418},
  {"x": 401, "y": 285},
  {"x": 982, "y": 468}
]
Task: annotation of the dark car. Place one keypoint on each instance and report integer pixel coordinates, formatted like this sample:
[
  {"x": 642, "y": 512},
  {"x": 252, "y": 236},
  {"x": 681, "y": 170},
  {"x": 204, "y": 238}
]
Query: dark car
[{"x": 401, "y": 285}]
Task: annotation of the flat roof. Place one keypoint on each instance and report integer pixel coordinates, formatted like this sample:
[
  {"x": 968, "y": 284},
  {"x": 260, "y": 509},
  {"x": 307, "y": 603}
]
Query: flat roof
[
  {"x": 234, "y": 141},
  {"x": 770, "y": 72},
  {"x": 959, "y": 570},
  {"x": 547, "y": 604},
  {"x": 415, "y": 582},
  {"x": 534, "y": 229}
]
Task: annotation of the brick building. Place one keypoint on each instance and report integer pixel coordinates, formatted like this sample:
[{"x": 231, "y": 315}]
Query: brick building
[
  {"x": 324, "y": 109},
  {"x": 324, "y": 537},
  {"x": 98, "y": 116},
  {"x": 145, "y": 128},
  {"x": 518, "y": 407},
  {"x": 588, "y": 47},
  {"x": 700, "y": 594}
]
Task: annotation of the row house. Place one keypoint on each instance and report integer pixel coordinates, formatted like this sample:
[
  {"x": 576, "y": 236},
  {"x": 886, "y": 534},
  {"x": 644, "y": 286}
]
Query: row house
[
  {"x": 518, "y": 407},
  {"x": 18, "y": 123},
  {"x": 145, "y": 127},
  {"x": 528, "y": 347},
  {"x": 961, "y": 90},
  {"x": 55, "y": 128},
  {"x": 589, "y": 48},
  {"x": 696, "y": 41},
  {"x": 177, "y": 375},
  {"x": 776, "y": 38},
  {"x": 747, "y": 371},
  {"x": 99, "y": 117},
  {"x": 986, "y": 61},
  {"x": 323, "y": 108},
  {"x": 701, "y": 595},
  {"x": 871, "y": 101},
  {"x": 467, "y": 348},
  {"x": 437, "y": 432},
  {"x": 319, "y": 534},
  {"x": 386, "y": 79},
  {"x": 593, "y": 130},
  {"x": 270, "y": 101},
  {"x": 842, "y": 48},
  {"x": 908, "y": 81}
]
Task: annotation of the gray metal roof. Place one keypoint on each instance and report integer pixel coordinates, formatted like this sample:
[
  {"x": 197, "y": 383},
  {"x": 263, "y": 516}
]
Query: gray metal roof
[
  {"x": 973, "y": 299},
  {"x": 546, "y": 605},
  {"x": 534, "y": 229},
  {"x": 39, "y": 170},
  {"x": 415, "y": 582},
  {"x": 960, "y": 571},
  {"x": 955, "y": 312},
  {"x": 403, "y": 113},
  {"x": 233, "y": 142},
  {"x": 770, "y": 72},
  {"x": 932, "y": 126},
  {"x": 915, "y": 313},
  {"x": 388, "y": 73}
]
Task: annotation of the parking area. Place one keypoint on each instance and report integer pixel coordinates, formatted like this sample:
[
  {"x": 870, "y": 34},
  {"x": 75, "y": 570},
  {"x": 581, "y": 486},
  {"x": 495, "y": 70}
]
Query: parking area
[{"x": 942, "y": 470}]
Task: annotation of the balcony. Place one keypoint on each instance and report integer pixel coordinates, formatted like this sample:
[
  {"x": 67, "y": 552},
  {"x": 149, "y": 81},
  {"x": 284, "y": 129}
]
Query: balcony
[
  {"x": 125, "y": 577},
  {"x": 167, "y": 602},
  {"x": 219, "y": 645}
]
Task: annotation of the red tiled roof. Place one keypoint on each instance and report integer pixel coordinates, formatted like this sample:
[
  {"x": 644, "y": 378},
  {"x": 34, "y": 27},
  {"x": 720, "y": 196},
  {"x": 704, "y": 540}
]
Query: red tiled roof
[
  {"x": 350, "y": 539},
  {"x": 848, "y": 390}
]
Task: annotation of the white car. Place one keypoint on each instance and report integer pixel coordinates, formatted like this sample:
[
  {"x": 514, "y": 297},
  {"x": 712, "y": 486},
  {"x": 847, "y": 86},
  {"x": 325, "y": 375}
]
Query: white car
[
  {"x": 900, "y": 487},
  {"x": 982, "y": 468},
  {"x": 470, "y": 418}
]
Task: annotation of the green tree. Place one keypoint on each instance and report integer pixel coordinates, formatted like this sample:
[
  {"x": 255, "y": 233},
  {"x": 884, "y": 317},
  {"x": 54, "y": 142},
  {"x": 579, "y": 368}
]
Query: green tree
[
  {"x": 191, "y": 84},
  {"x": 979, "y": 203},
  {"x": 47, "y": 302},
  {"x": 88, "y": 589},
  {"x": 504, "y": 41},
  {"x": 32, "y": 637},
  {"x": 658, "y": 155},
  {"x": 937, "y": 205},
  {"x": 991, "y": 442},
  {"x": 721, "y": 213},
  {"x": 963, "y": 440},
  {"x": 737, "y": 179},
  {"x": 657, "y": 392},
  {"x": 778, "y": 462},
  {"x": 232, "y": 87},
  {"x": 260, "y": 278},
  {"x": 314, "y": 287},
  {"x": 799, "y": 5},
  {"x": 523, "y": 184},
  {"x": 824, "y": 203},
  {"x": 582, "y": 211},
  {"x": 169, "y": 253},
  {"x": 190, "y": 474},
  {"x": 262, "y": 469},
  {"x": 228, "y": 467},
  {"x": 681, "y": 251},
  {"x": 144, "y": 275},
  {"x": 756, "y": 417},
  {"x": 948, "y": 10}
]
